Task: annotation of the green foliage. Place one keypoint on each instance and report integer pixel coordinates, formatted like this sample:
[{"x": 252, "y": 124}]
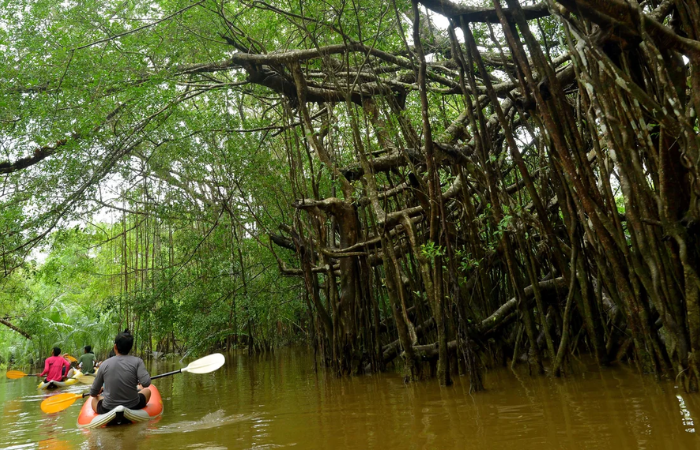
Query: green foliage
[
  {"x": 79, "y": 296},
  {"x": 176, "y": 165},
  {"x": 432, "y": 251}
]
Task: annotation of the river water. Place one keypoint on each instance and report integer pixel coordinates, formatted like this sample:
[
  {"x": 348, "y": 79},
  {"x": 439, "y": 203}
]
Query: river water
[{"x": 279, "y": 401}]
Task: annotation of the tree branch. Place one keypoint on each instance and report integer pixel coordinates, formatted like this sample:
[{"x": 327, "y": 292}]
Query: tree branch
[
  {"x": 14, "y": 328},
  {"x": 478, "y": 14}
]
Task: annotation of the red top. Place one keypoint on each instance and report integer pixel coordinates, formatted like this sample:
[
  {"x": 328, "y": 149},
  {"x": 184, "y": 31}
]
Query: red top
[{"x": 54, "y": 367}]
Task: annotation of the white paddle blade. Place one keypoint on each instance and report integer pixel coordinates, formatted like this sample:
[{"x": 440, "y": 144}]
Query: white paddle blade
[{"x": 207, "y": 364}]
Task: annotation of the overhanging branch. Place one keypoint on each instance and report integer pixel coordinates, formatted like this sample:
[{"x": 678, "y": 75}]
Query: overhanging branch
[
  {"x": 15, "y": 329},
  {"x": 478, "y": 14}
]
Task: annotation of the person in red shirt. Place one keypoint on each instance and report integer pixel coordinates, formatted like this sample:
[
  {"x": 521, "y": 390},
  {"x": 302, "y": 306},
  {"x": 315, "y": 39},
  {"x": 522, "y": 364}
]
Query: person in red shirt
[{"x": 53, "y": 367}]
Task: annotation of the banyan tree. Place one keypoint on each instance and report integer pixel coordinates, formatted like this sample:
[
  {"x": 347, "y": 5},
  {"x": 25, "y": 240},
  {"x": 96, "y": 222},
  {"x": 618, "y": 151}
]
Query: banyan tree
[
  {"x": 473, "y": 182},
  {"x": 520, "y": 184}
]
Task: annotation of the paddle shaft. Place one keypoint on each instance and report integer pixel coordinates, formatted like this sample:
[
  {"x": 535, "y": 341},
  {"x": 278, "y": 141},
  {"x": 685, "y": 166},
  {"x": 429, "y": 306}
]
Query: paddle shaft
[
  {"x": 166, "y": 374},
  {"x": 202, "y": 365}
]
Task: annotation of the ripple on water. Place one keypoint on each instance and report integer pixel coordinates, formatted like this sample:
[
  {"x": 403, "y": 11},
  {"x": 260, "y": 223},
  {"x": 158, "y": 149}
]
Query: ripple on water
[
  {"x": 212, "y": 420},
  {"x": 207, "y": 446}
]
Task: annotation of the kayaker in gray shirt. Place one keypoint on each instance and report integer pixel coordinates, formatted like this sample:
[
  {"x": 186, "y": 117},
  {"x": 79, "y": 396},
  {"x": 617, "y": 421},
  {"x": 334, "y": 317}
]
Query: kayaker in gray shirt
[{"x": 124, "y": 377}]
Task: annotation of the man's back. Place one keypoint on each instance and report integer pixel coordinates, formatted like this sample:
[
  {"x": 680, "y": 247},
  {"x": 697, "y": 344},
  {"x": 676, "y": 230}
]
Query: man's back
[
  {"x": 120, "y": 375},
  {"x": 88, "y": 362}
]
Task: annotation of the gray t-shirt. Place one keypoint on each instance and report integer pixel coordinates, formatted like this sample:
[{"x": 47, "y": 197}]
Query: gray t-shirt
[{"x": 120, "y": 374}]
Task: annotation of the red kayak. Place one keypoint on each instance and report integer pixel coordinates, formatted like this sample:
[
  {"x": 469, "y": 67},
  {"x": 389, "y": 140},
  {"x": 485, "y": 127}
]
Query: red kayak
[{"x": 88, "y": 418}]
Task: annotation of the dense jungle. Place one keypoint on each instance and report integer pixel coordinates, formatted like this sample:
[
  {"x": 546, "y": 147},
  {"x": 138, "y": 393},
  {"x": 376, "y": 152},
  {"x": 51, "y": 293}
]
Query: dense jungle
[{"x": 433, "y": 187}]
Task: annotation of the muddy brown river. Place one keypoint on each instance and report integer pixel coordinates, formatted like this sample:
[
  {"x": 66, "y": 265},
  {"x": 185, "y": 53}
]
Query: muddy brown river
[{"x": 279, "y": 401}]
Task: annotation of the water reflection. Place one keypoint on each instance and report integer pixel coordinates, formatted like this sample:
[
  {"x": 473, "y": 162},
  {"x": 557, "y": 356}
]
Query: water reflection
[
  {"x": 117, "y": 438},
  {"x": 279, "y": 401},
  {"x": 54, "y": 444},
  {"x": 685, "y": 414}
]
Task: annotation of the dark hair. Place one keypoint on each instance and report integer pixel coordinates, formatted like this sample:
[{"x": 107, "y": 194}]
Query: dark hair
[
  {"x": 88, "y": 349},
  {"x": 56, "y": 351},
  {"x": 124, "y": 341}
]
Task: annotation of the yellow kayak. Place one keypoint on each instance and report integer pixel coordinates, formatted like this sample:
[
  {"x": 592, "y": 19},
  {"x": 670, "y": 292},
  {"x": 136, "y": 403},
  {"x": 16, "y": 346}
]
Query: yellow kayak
[
  {"x": 75, "y": 379},
  {"x": 57, "y": 384}
]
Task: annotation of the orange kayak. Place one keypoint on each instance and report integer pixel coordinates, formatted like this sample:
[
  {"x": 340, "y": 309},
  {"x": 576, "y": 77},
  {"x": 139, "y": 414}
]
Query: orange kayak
[{"x": 88, "y": 418}]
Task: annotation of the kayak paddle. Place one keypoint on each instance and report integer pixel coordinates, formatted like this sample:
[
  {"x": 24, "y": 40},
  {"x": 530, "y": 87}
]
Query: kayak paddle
[
  {"x": 17, "y": 374},
  {"x": 59, "y": 402},
  {"x": 70, "y": 358},
  {"x": 202, "y": 365}
]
